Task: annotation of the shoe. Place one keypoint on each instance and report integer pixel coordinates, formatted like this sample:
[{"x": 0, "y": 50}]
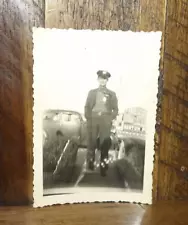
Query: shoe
[
  {"x": 91, "y": 165},
  {"x": 105, "y": 164},
  {"x": 103, "y": 172},
  {"x": 103, "y": 169}
]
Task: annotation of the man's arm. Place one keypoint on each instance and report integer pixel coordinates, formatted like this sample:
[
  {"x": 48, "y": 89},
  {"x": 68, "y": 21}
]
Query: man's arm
[
  {"x": 87, "y": 105},
  {"x": 114, "y": 105}
]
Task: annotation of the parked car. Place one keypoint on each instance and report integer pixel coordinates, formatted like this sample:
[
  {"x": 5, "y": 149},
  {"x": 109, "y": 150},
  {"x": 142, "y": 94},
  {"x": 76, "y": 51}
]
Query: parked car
[
  {"x": 59, "y": 163},
  {"x": 70, "y": 123}
]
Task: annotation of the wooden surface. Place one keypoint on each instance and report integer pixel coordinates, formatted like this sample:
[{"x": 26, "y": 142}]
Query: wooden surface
[
  {"x": 101, "y": 214},
  {"x": 16, "y": 21},
  {"x": 109, "y": 15},
  {"x": 173, "y": 140}
]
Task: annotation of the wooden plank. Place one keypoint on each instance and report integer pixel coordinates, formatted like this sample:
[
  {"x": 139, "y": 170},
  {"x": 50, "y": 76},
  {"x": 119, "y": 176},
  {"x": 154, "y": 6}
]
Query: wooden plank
[
  {"x": 108, "y": 15},
  {"x": 164, "y": 212},
  {"x": 16, "y": 21},
  {"x": 172, "y": 182},
  {"x": 152, "y": 15}
]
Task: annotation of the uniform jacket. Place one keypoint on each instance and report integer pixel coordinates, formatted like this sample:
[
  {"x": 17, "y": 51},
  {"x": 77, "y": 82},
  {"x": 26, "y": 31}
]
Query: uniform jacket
[{"x": 111, "y": 103}]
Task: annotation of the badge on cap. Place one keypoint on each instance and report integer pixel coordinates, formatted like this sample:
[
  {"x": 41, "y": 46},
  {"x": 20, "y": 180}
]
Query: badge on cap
[{"x": 104, "y": 74}]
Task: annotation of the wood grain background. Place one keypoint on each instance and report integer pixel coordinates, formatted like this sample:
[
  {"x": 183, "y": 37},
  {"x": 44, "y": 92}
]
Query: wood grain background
[{"x": 16, "y": 20}]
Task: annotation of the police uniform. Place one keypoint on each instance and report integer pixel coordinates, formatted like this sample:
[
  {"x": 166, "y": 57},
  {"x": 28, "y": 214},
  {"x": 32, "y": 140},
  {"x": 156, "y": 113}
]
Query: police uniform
[{"x": 100, "y": 109}]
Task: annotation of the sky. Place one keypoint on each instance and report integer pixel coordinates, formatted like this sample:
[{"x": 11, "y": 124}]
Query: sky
[{"x": 66, "y": 62}]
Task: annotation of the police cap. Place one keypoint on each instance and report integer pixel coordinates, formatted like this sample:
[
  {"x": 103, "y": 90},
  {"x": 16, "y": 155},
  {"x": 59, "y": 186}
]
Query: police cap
[{"x": 103, "y": 74}]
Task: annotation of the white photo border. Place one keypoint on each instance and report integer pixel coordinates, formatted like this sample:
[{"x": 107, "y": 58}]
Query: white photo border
[{"x": 145, "y": 197}]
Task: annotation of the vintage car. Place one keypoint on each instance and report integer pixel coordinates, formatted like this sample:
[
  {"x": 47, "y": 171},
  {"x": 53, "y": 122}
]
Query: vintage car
[
  {"x": 70, "y": 123},
  {"x": 59, "y": 164}
]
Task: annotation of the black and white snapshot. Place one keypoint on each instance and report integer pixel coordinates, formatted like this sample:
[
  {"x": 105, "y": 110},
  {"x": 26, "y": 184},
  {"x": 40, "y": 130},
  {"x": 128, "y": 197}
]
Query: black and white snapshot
[
  {"x": 95, "y": 99},
  {"x": 97, "y": 147}
]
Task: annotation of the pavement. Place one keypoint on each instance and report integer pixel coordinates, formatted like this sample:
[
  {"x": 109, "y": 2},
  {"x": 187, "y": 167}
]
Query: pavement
[
  {"x": 119, "y": 177},
  {"x": 94, "y": 179},
  {"x": 83, "y": 179}
]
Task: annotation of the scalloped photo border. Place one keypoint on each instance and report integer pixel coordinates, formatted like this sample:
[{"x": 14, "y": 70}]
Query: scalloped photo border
[{"x": 145, "y": 197}]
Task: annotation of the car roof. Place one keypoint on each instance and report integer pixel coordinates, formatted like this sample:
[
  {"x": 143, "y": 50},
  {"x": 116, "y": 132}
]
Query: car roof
[{"x": 62, "y": 111}]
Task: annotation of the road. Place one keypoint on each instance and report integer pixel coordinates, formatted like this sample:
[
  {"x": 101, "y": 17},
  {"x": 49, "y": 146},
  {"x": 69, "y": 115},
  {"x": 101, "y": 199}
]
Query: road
[
  {"x": 93, "y": 179},
  {"x": 116, "y": 175}
]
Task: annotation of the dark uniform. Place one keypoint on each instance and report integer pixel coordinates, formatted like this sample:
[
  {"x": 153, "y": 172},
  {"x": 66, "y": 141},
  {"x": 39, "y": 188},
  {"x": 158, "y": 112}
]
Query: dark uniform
[{"x": 100, "y": 109}]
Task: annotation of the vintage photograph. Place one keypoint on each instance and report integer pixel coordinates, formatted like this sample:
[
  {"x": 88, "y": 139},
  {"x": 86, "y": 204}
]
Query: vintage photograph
[
  {"x": 95, "y": 99},
  {"x": 101, "y": 147}
]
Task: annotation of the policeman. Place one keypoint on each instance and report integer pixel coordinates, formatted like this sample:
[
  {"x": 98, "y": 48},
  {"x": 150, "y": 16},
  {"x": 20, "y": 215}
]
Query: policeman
[{"x": 101, "y": 109}]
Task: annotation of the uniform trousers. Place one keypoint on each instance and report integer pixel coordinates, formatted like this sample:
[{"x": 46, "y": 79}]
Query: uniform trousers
[{"x": 99, "y": 129}]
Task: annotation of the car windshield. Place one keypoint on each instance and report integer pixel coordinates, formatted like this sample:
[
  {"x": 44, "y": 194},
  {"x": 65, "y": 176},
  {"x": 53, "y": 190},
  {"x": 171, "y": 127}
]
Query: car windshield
[
  {"x": 66, "y": 116},
  {"x": 49, "y": 115},
  {"x": 62, "y": 116},
  {"x": 75, "y": 117}
]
